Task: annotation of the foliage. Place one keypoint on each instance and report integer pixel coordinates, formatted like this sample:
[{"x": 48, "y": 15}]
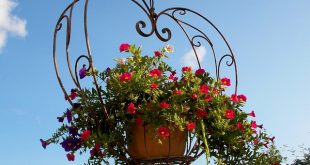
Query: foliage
[
  {"x": 305, "y": 160},
  {"x": 144, "y": 90}
]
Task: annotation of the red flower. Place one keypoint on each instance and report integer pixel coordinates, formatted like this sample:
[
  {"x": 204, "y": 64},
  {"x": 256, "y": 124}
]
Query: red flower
[
  {"x": 158, "y": 54},
  {"x": 177, "y": 92},
  {"x": 95, "y": 150},
  {"x": 255, "y": 141},
  {"x": 164, "y": 105},
  {"x": 253, "y": 124},
  {"x": 190, "y": 126},
  {"x": 139, "y": 121},
  {"x": 252, "y": 114},
  {"x": 85, "y": 135},
  {"x": 204, "y": 89},
  {"x": 171, "y": 76},
  {"x": 230, "y": 114},
  {"x": 194, "y": 96},
  {"x": 240, "y": 126},
  {"x": 124, "y": 47},
  {"x": 73, "y": 94},
  {"x": 186, "y": 69},
  {"x": 242, "y": 98},
  {"x": 163, "y": 131},
  {"x": 70, "y": 157},
  {"x": 153, "y": 86},
  {"x": 225, "y": 81},
  {"x": 155, "y": 73},
  {"x": 131, "y": 109},
  {"x": 200, "y": 113},
  {"x": 208, "y": 98},
  {"x": 200, "y": 72},
  {"x": 234, "y": 98},
  {"x": 125, "y": 76}
]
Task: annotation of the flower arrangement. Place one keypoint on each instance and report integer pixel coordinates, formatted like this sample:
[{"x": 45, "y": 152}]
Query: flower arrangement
[{"x": 144, "y": 90}]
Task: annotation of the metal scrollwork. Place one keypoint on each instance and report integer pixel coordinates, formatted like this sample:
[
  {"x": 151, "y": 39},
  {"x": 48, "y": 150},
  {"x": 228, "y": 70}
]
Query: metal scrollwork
[{"x": 193, "y": 149}]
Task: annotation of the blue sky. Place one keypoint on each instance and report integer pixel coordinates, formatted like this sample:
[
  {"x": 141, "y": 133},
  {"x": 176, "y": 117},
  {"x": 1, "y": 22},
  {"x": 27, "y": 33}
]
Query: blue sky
[{"x": 270, "y": 40}]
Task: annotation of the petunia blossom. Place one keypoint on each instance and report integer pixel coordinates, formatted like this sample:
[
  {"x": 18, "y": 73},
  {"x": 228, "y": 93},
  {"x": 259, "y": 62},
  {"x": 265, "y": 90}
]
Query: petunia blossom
[
  {"x": 85, "y": 135},
  {"x": 186, "y": 69},
  {"x": 240, "y": 126},
  {"x": 194, "y": 96},
  {"x": 69, "y": 115},
  {"x": 241, "y": 98},
  {"x": 83, "y": 72},
  {"x": 158, "y": 54},
  {"x": 234, "y": 98},
  {"x": 177, "y": 92},
  {"x": 200, "y": 72},
  {"x": 44, "y": 143},
  {"x": 208, "y": 98},
  {"x": 163, "y": 131},
  {"x": 155, "y": 73},
  {"x": 124, "y": 47},
  {"x": 190, "y": 126},
  {"x": 252, "y": 114},
  {"x": 164, "y": 105},
  {"x": 153, "y": 86},
  {"x": 131, "y": 109},
  {"x": 204, "y": 89},
  {"x": 200, "y": 113},
  {"x": 70, "y": 157},
  {"x": 125, "y": 77},
  {"x": 253, "y": 124},
  {"x": 230, "y": 114},
  {"x": 225, "y": 81}
]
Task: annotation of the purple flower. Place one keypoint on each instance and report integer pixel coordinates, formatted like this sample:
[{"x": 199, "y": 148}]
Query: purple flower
[
  {"x": 71, "y": 144},
  {"x": 69, "y": 116},
  {"x": 44, "y": 143},
  {"x": 73, "y": 131},
  {"x": 60, "y": 119},
  {"x": 83, "y": 72}
]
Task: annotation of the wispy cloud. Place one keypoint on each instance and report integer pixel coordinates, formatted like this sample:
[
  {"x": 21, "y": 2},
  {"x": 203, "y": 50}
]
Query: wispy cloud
[
  {"x": 189, "y": 58},
  {"x": 9, "y": 23}
]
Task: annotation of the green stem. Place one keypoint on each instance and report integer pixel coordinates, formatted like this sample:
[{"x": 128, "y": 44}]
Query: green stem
[{"x": 205, "y": 141}]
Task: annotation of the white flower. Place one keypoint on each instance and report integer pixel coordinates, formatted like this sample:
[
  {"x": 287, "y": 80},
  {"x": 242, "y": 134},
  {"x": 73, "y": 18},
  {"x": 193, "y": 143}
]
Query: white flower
[
  {"x": 120, "y": 61},
  {"x": 169, "y": 48}
]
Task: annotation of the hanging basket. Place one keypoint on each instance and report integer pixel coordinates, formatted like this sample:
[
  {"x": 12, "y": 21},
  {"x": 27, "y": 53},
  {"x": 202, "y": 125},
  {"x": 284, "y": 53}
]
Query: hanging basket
[
  {"x": 143, "y": 146},
  {"x": 98, "y": 122}
]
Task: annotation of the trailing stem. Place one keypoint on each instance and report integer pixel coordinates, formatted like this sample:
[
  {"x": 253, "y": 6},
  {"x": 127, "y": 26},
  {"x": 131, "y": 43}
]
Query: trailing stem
[{"x": 205, "y": 141}]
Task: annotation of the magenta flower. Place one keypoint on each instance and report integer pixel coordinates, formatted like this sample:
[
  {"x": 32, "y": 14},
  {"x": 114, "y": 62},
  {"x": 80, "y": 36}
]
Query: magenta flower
[
  {"x": 44, "y": 143},
  {"x": 69, "y": 116},
  {"x": 252, "y": 114},
  {"x": 200, "y": 72},
  {"x": 70, "y": 157},
  {"x": 230, "y": 114},
  {"x": 131, "y": 109},
  {"x": 204, "y": 89},
  {"x": 124, "y": 47},
  {"x": 83, "y": 72}
]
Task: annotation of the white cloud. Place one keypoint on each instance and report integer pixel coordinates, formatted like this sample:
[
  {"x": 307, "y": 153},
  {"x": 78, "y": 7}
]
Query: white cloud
[
  {"x": 189, "y": 59},
  {"x": 10, "y": 24}
]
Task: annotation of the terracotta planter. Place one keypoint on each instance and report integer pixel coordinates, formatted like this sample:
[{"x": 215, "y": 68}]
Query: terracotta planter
[{"x": 143, "y": 145}]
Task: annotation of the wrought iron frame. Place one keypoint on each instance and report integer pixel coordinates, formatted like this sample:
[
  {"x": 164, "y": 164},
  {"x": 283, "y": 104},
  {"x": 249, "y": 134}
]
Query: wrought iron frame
[{"x": 193, "y": 149}]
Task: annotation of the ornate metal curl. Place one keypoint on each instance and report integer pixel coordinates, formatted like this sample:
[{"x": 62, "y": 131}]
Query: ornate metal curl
[{"x": 194, "y": 146}]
